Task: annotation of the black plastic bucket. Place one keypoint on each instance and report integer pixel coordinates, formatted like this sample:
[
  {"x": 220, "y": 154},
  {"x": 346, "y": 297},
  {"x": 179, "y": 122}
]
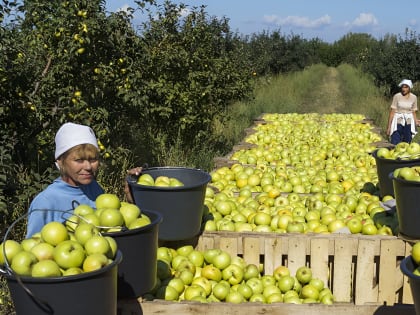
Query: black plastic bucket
[
  {"x": 387, "y": 166},
  {"x": 407, "y": 267},
  {"x": 181, "y": 207},
  {"x": 137, "y": 272},
  {"x": 407, "y": 200},
  {"x": 83, "y": 294}
]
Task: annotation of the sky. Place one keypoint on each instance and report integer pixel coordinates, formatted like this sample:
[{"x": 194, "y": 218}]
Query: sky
[{"x": 328, "y": 20}]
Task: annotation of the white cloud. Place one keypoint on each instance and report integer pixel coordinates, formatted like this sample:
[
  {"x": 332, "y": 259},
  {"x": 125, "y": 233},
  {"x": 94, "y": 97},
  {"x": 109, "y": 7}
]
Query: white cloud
[
  {"x": 184, "y": 12},
  {"x": 412, "y": 22},
  {"x": 298, "y": 21},
  {"x": 124, "y": 8},
  {"x": 364, "y": 19}
]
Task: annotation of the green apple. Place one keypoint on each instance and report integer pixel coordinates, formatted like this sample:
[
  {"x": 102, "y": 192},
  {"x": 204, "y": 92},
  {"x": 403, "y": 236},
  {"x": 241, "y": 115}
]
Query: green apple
[
  {"x": 355, "y": 225},
  {"x": 304, "y": 274},
  {"x": 141, "y": 221},
  {"x": 286, "y": 283},
  {"x": 251, "y": 271},
  {"x": 85, "y": 231},
  {"x": 72, "y": 222},
  {"x": 43, "y": 251},
  {"x": 369, "y": 229},
  {"x": 107, "y": 201},
  {"x": 309, "y": 291},
  {"x": 46, "y": 268},
  {"x": 210, "y": 253},
  {"x": 83, "y": 209},
  {"x": 317, "y": 283},
  {"x": 69, "y": 254},
  {"x": 270, "y": 289},
  {"x": 185, "y": 250},
  {"x": 221, "y": 260},
  {"x": 233, "y": 274},
  {"x": 204, "y": 283},
  {"x": 212, "y": 273},
  {"x": 234, "y": 297},
  {"x": 26, "y": 244},
  {"x": 415, "y": 252},
  {"x": 72, "y": 271},
  {"x": 91, "y": 218},
  {"x": 164, "y": 253},
  {"x": 146, "y": 179},
  {"x": 174, "y": 182},
  {"x": 94, "y": 262},
  {"x": 111, "y": 217},
  {"x": 162, "y": 181},
  {"x": 256, "y": 285},
  {"x": 11, "y": 248},
  {"x": 130, "y": 212},
  {"x": 383, "y": 153},
  {"x": 274, "y": 298},
  {"x": 98, "y": 244},
  {"x": 258, "y": 297},
  {"x": 23, "y": 262},
  {"x": 167, "y": 293},
  {"x": 185, "y": 275},
  {"x": 54, "y": 233},
  {"x": 221, "y": 290},
  {"x": 193, "y": 291},
  {"x": 177, "y": 283},
  {"x": 267, "y": 280},
  {"x": 113, "y": 245},
  {"x": 245, "y": 290}
]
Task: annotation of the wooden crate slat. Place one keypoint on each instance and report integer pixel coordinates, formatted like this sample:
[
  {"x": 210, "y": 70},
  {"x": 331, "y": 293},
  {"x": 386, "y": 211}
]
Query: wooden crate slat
[
  {"x": 206, "y": 242},
  {"x": 272, "y": 254},
  {"x": 296, "y": 254},
  {"x": 342, "y": 277},
  {"x": 407, "y": 296},
  {"x": 319, "y": 258},
  {"x": 387, "y": 272},
  {"x": 251, "y": 250},
  {"x": 366, "y": 290},
  {"x": 229, "y": 244}
]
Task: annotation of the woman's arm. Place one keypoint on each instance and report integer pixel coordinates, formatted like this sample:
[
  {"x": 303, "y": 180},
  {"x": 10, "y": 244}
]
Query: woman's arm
[{"x": 390, "y": 118}]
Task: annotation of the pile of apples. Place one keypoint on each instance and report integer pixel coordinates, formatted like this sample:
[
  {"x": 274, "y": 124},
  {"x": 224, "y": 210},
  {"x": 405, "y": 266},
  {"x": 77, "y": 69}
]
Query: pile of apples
[
  {"x": 298, "y": 213},
  {"x": 55, "y": 252},
  {"x": 213, "y": 275},
  {"x": 111, "y": 215},
  {"x": 307, "y": 173},
  {"x": 160, "y": 181},
  {"x": 410, "y": 173},
  {"x": 401, "y": 151},
  {"x": 415, "y": 254}
]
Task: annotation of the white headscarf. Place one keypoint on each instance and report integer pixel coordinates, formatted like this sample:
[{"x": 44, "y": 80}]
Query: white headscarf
[{"x": 69, "y": 135}]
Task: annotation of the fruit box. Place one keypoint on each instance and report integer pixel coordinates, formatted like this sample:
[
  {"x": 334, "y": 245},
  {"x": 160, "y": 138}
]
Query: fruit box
[{"x": 362, "y": 272}]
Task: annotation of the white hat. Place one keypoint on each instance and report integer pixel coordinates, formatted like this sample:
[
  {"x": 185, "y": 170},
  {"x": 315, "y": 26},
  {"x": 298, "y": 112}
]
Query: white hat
[
  {"x": 406, "y": 82},
  {"x": 69, "y": 135}
]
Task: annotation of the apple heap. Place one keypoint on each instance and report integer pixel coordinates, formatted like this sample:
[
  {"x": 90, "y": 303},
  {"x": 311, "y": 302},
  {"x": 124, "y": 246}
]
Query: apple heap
[
  {"x": 160, "y": 181},
  {"x": 213, "y": 275},
  {"x": 111, "y": 215},
  {"x": 298, "y": 213},
  {"x": 401, "y": 151},
  {"x": 55, "y": 252},
  {"x": 409, "y": 173}
]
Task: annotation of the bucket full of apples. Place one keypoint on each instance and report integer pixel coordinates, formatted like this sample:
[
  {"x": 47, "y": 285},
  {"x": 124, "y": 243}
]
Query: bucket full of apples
[
  {"x": 410, "y": 267},
  {"x": 135, "y": 232},
  {"x": 406, "y": 181},
  {"x": 389, "y": 159},
  {"x": 53, "y": 273},
  {"x": 177, "y": 193}
]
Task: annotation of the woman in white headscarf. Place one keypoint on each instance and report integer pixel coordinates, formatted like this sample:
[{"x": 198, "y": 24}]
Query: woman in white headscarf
[
  {"x": 402, "y": 119},
  {"x": 77, "y": 158}
]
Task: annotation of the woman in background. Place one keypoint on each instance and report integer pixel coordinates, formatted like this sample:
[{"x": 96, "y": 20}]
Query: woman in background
[{"x": 402, "y": 119}]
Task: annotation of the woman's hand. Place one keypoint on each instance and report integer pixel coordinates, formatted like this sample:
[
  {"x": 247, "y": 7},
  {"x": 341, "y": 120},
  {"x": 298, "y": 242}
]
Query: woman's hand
[{"x": 134, "y": 171}]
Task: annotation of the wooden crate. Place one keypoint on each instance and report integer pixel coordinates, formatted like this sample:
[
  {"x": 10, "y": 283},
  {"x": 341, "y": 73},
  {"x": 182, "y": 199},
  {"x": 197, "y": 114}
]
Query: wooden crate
[{"x": 362, "y": 272}]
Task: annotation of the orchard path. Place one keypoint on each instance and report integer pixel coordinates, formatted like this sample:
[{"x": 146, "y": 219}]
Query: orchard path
[{"x": 327, "y": 98}]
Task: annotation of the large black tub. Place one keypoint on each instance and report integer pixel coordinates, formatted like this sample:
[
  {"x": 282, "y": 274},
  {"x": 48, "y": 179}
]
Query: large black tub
[
  {"x": 137, "y": 272},
  {"x": 181, "y": 207},
  {"x": 385, "y": 167},
  {"x": 83, "y": 294}
]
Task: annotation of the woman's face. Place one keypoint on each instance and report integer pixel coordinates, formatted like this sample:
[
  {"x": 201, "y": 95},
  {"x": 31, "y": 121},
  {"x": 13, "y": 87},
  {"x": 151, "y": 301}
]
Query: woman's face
[
  {"x": 405, "y": 89},
  {"x": 79, "y": 165}
]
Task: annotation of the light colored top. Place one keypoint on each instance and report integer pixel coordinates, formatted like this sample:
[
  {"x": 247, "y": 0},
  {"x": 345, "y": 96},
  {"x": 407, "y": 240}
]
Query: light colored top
[
  {"x": 59, "y": 196},
  {"x": 404, "y": 105}
]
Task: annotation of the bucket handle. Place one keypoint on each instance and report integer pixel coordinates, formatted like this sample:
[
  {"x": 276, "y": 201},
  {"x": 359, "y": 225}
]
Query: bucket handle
[{"x": 8, "y": 270}]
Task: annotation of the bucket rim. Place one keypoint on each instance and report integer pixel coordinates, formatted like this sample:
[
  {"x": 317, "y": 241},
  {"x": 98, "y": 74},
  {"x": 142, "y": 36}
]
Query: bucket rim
[
  {"x": 132, "y": 179},
  {"x": 375, "y": 155},
  {"x": 85, "y": 275},
  {"x": 153, "y": 223},
  {"x": 402, "y": 180},
  {"x": 405, "y": 270}
]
